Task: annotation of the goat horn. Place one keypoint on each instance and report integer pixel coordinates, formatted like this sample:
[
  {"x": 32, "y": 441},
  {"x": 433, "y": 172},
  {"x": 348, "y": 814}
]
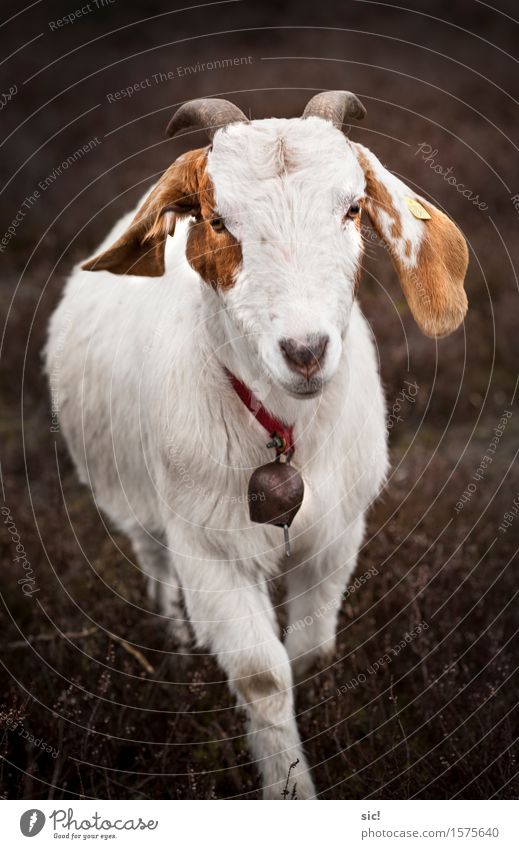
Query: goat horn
[
  {"x": 206, "y": 113},
  {"x": 335, "y": 106}
]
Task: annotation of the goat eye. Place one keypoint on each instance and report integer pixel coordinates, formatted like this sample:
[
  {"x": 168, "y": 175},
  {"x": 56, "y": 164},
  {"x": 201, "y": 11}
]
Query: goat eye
[
  {"x": 354, "y": 210},
  {"x": 218, "y": 224}
]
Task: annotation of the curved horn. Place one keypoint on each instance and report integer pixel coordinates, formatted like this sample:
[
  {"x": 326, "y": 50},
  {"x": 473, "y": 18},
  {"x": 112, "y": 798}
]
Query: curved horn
[
  {"x": 335, "y": 106},
  {"x": 206, "y": 113}
]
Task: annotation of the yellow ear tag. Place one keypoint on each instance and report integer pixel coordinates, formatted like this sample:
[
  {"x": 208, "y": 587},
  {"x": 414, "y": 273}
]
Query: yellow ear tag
[{"x": 417, "y": 209}]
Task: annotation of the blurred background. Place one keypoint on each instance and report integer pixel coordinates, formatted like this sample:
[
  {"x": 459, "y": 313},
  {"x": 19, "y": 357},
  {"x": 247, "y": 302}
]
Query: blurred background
[{"x": 92, "y": 702}]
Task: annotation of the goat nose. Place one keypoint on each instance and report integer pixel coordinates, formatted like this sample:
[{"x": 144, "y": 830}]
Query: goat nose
[{"x": 306, "y": 358}]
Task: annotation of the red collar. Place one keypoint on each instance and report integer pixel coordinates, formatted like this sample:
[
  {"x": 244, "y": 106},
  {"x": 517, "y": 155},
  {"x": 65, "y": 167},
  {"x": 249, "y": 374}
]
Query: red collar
[{"x": 282, "y": 435}]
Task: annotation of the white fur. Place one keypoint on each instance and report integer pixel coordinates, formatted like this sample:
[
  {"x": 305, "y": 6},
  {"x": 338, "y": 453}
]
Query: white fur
[{"x": 167, "y": 447}]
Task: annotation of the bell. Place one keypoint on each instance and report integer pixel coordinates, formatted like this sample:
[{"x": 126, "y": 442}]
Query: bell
[{"x": 276, "y": 493}]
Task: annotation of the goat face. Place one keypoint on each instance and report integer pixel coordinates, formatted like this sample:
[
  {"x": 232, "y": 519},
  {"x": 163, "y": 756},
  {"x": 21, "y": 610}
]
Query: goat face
[
  {"x": 275, "y": 231},
  {"x": 289, "y": 193}
]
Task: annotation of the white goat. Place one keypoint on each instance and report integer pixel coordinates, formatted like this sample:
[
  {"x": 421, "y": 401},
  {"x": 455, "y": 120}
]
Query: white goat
[{"x": 258, "y": 283}]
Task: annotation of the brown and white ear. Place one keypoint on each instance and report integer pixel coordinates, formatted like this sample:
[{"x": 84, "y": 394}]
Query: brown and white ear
[
  {"x": 140, "y": 249},
  {"x": 427, "y": 249}
]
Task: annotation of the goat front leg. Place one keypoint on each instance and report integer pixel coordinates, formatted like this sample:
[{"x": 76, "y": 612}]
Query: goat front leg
[
  {"x": 315, "y": 589},
  {"x": 231, "y": 615}
]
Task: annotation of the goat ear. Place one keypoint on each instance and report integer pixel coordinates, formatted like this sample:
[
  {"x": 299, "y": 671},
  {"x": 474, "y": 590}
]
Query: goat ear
[
  {"x": 427, "y": 249},
  {"x": 140, "y": 249}
]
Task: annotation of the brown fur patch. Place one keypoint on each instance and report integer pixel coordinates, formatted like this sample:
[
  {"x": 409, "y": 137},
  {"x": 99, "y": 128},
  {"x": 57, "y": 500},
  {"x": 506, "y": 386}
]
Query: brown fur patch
[
  {"x": 257, "y": 685},
  {"x": 378, "y": 198},
  {"x": 216, "y": 256},
  {"x": 434, "y": 290},
  {"x": 267, "y": 696},
  {"x": 434, "y": 285}
]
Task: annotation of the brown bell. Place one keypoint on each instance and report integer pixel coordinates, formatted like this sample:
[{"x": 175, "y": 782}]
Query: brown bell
[{"x": 276, "y": 493}]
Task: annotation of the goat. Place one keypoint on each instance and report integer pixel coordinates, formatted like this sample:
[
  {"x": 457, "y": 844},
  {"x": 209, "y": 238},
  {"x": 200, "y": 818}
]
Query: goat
[{"x": 244, "y": 261}]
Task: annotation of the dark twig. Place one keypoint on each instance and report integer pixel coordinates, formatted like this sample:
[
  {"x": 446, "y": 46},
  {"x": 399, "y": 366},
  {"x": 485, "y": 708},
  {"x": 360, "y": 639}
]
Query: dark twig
[{"x": 285, "y": 790}]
